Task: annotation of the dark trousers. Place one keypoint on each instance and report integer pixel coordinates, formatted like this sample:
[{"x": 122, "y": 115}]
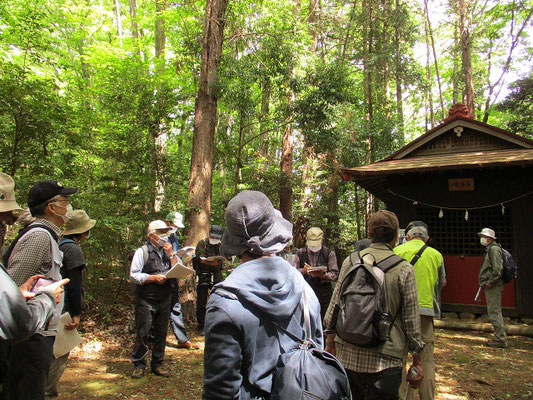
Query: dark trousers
[
  {"x": 28, "y": 368},
  {"x": 176, "y": 318},
  {"x": 151, "y": 318},
  {"x": 202, "y": 291},
  {"x": 383, "y": 385}
]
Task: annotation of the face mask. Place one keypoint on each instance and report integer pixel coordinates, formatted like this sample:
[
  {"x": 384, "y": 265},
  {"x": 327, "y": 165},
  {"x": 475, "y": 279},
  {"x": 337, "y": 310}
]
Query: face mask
[
  {"x": 162, "y": 240},
  {"x": 173, "y": 230},
  {"x": 214, "y": 241},
  {"x": 314, "y": 249},
  {"x": 68, "y": 215},
  {"x": 484, "y": 241}
]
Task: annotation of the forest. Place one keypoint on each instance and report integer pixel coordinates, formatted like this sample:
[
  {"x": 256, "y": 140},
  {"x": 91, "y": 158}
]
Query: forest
[{"x": 150, "y": 106}]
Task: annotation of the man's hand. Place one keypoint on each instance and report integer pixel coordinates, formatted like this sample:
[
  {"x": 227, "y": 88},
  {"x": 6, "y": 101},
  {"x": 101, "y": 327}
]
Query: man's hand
[
  {"x": 318, "y": 274},
  {"x": 159, "y": 279},
  {"x": 26, "y": 286},
  {"x": 57, "y": 287},
  {"x": 167, "y": 248},
  {"x": 74, "y": 323},
  {"x": 489, "y": 285},
  {"x": 415, "y": 382}
]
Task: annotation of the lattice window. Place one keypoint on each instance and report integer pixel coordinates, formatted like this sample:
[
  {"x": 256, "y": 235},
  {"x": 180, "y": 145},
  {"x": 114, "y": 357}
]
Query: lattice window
[{"x": 453, "y": 235}]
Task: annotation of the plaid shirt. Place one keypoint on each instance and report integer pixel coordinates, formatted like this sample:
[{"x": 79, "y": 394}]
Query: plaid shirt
[
  {"x": 360, "y": 359},
  {"x": 32, "y": 255}
]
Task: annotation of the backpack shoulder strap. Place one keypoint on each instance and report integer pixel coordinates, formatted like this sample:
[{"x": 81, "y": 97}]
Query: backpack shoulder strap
[
  {"x": 66, "y": 240},
  {"x": 22, "y": 233},
  {"x": 389, "y": 263},
  {"x": 418, "y": 255},
  {"x": 145, "y": 253}
]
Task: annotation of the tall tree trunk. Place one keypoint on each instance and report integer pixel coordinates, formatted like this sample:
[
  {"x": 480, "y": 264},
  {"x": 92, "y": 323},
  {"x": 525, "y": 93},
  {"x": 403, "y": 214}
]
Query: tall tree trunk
[
  {"x": 160, "y": 128},
  {"x": 466, "y": 55},
  {"x": 312, "y": 20},
  {"x": 429, "y": 92},
  {"x": 238, "y": 164},
  {"x": 265, "y": 109},
  {"x": 199, "y": 201},
  {"x": 286, "y": 163},
  {"x": 119, "y": 20},
  {"x": 398, "y": 78},
  {"x": 429, "y": 34}
]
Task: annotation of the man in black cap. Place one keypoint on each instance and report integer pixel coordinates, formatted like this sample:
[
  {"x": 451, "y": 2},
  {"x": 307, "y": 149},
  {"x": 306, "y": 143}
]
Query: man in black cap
[
  {"x": 36, "y": 251},
  {"x": 208, "y": 264}
]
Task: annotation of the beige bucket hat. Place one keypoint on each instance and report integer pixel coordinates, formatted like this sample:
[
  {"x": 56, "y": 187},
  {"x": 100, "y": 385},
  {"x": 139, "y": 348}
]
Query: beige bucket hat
[
  {"x": 7, "y": 194},
  {"x": 78, "y": 223}
]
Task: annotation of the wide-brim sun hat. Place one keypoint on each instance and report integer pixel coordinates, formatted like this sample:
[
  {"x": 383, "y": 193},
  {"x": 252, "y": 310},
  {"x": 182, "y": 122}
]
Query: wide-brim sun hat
[
  {"x": 488, "y": 233},
  {"x": 7, "y": 194},
  {"x": 253, "y": 225},
  {"x": 78, "y": 223},
  {"x": 158, "y": 225},
  {"x": 176, "y": 218}
]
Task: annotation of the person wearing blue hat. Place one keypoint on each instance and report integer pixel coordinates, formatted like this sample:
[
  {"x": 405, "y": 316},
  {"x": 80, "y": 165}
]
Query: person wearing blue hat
[
  {"x": 208, "y": 264},
  {"x": 175, "y": 221}
]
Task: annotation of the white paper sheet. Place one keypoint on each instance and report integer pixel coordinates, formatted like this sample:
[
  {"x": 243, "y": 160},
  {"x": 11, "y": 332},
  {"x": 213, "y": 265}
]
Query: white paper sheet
[
  {"x": 66, "y": 340},
  {"x": 179, "y": 271}
]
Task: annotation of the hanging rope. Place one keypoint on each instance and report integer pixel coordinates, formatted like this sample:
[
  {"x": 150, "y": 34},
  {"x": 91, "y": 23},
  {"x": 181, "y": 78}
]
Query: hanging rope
[{"x": 416, "y": 202}]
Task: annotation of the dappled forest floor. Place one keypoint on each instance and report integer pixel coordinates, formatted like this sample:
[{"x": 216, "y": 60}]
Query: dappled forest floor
[{"x": 100, "y": 368}]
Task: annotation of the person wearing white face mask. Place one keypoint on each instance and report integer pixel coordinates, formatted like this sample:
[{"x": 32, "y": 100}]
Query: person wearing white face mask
[
  {"x": 318, "y": 265},
  {"x": 208, "y": 264},
  {"x": 35, "y": 251},
  {"x": 490, "y": 280},
  {"x": 148, "y": 270},
  {"x": 175, "y": 221}
]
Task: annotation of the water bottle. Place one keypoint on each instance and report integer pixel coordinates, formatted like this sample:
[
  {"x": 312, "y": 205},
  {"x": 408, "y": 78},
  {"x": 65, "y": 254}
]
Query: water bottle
[{"x": 413, "y": 373}]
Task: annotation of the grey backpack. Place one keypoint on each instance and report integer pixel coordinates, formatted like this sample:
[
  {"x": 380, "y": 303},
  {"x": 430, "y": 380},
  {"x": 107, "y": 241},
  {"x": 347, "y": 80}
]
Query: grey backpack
[{"x": 362, "y": 316}]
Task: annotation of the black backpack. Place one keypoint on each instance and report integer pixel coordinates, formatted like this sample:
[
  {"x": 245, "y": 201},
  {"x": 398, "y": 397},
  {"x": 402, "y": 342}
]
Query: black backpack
[
  {"x": 362, "y": 317},
  {"x": 509, "y": 266},
  {"x": 307, "y": 372}
]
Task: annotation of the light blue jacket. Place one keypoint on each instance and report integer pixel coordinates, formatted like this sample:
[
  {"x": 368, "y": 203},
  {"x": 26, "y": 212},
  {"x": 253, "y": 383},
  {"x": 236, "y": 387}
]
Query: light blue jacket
[{"x": 242, "y": 346}]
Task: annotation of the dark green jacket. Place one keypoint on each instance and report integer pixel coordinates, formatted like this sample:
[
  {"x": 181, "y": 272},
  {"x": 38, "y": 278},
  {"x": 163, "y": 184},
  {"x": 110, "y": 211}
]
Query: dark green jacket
[{"x": 491, "y": 268}]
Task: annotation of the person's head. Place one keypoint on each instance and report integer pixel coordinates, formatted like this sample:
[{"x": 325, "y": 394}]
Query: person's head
[
  {"x": 314, "y": 238},
  {"x": 79, "y": 226},
  {"x": 158, "y": 233},
  {"x": 418, "y": 232},
  {"x": 175, "y": 220},
  {"x": 254, "y": 227},
  {"x": 50, "y": 200},
  {"x": 215, "y": 233},
  {"x": 412, "y": 224},
  {"x": 9, "y": 208},
  {"x": 25, "y": 218},
  {"x": 383, "y": 227},
  {"x": 486, "y": 236}
]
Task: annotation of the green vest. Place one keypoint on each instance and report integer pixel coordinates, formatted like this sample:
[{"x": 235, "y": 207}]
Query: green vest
[{"x": 426, "y": 269}]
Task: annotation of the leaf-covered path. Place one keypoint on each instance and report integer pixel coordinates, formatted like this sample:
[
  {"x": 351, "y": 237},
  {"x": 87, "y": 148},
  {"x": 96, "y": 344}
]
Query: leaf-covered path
[{"x": 101, "y": 369}]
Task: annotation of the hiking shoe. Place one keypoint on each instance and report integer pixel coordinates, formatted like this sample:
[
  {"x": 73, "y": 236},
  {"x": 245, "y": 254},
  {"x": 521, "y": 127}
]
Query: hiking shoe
[
  {"x": 160, "y": 372},
  {"x": 138, "y": 372},
  {"x": 188, "y": 345},
  {"x": 497, "y": 344}
]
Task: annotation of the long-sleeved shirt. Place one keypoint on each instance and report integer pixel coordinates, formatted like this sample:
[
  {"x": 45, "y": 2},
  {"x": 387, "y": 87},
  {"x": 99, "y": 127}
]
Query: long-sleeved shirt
[
  {"x": 19, "y": 319},
  {"x": 38, "y": 253},
  {"x": 333, "y": 268},
  {"x": 361, "y": 359},
  {"x": 491, "y": 269}
]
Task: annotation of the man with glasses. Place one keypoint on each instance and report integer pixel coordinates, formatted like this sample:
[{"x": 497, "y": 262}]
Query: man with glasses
[{"x": 35, "y": 251}]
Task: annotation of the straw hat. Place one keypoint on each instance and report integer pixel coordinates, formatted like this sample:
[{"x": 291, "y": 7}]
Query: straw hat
[
  {"x": 488, "y": 233},
  {"x": 7, "y": 194},
  {"x": 78, "y": 223}
]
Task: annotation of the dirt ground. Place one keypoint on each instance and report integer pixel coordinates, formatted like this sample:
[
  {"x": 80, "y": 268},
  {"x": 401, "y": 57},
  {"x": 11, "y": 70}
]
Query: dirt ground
[{"x": 100, "y": 368}]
